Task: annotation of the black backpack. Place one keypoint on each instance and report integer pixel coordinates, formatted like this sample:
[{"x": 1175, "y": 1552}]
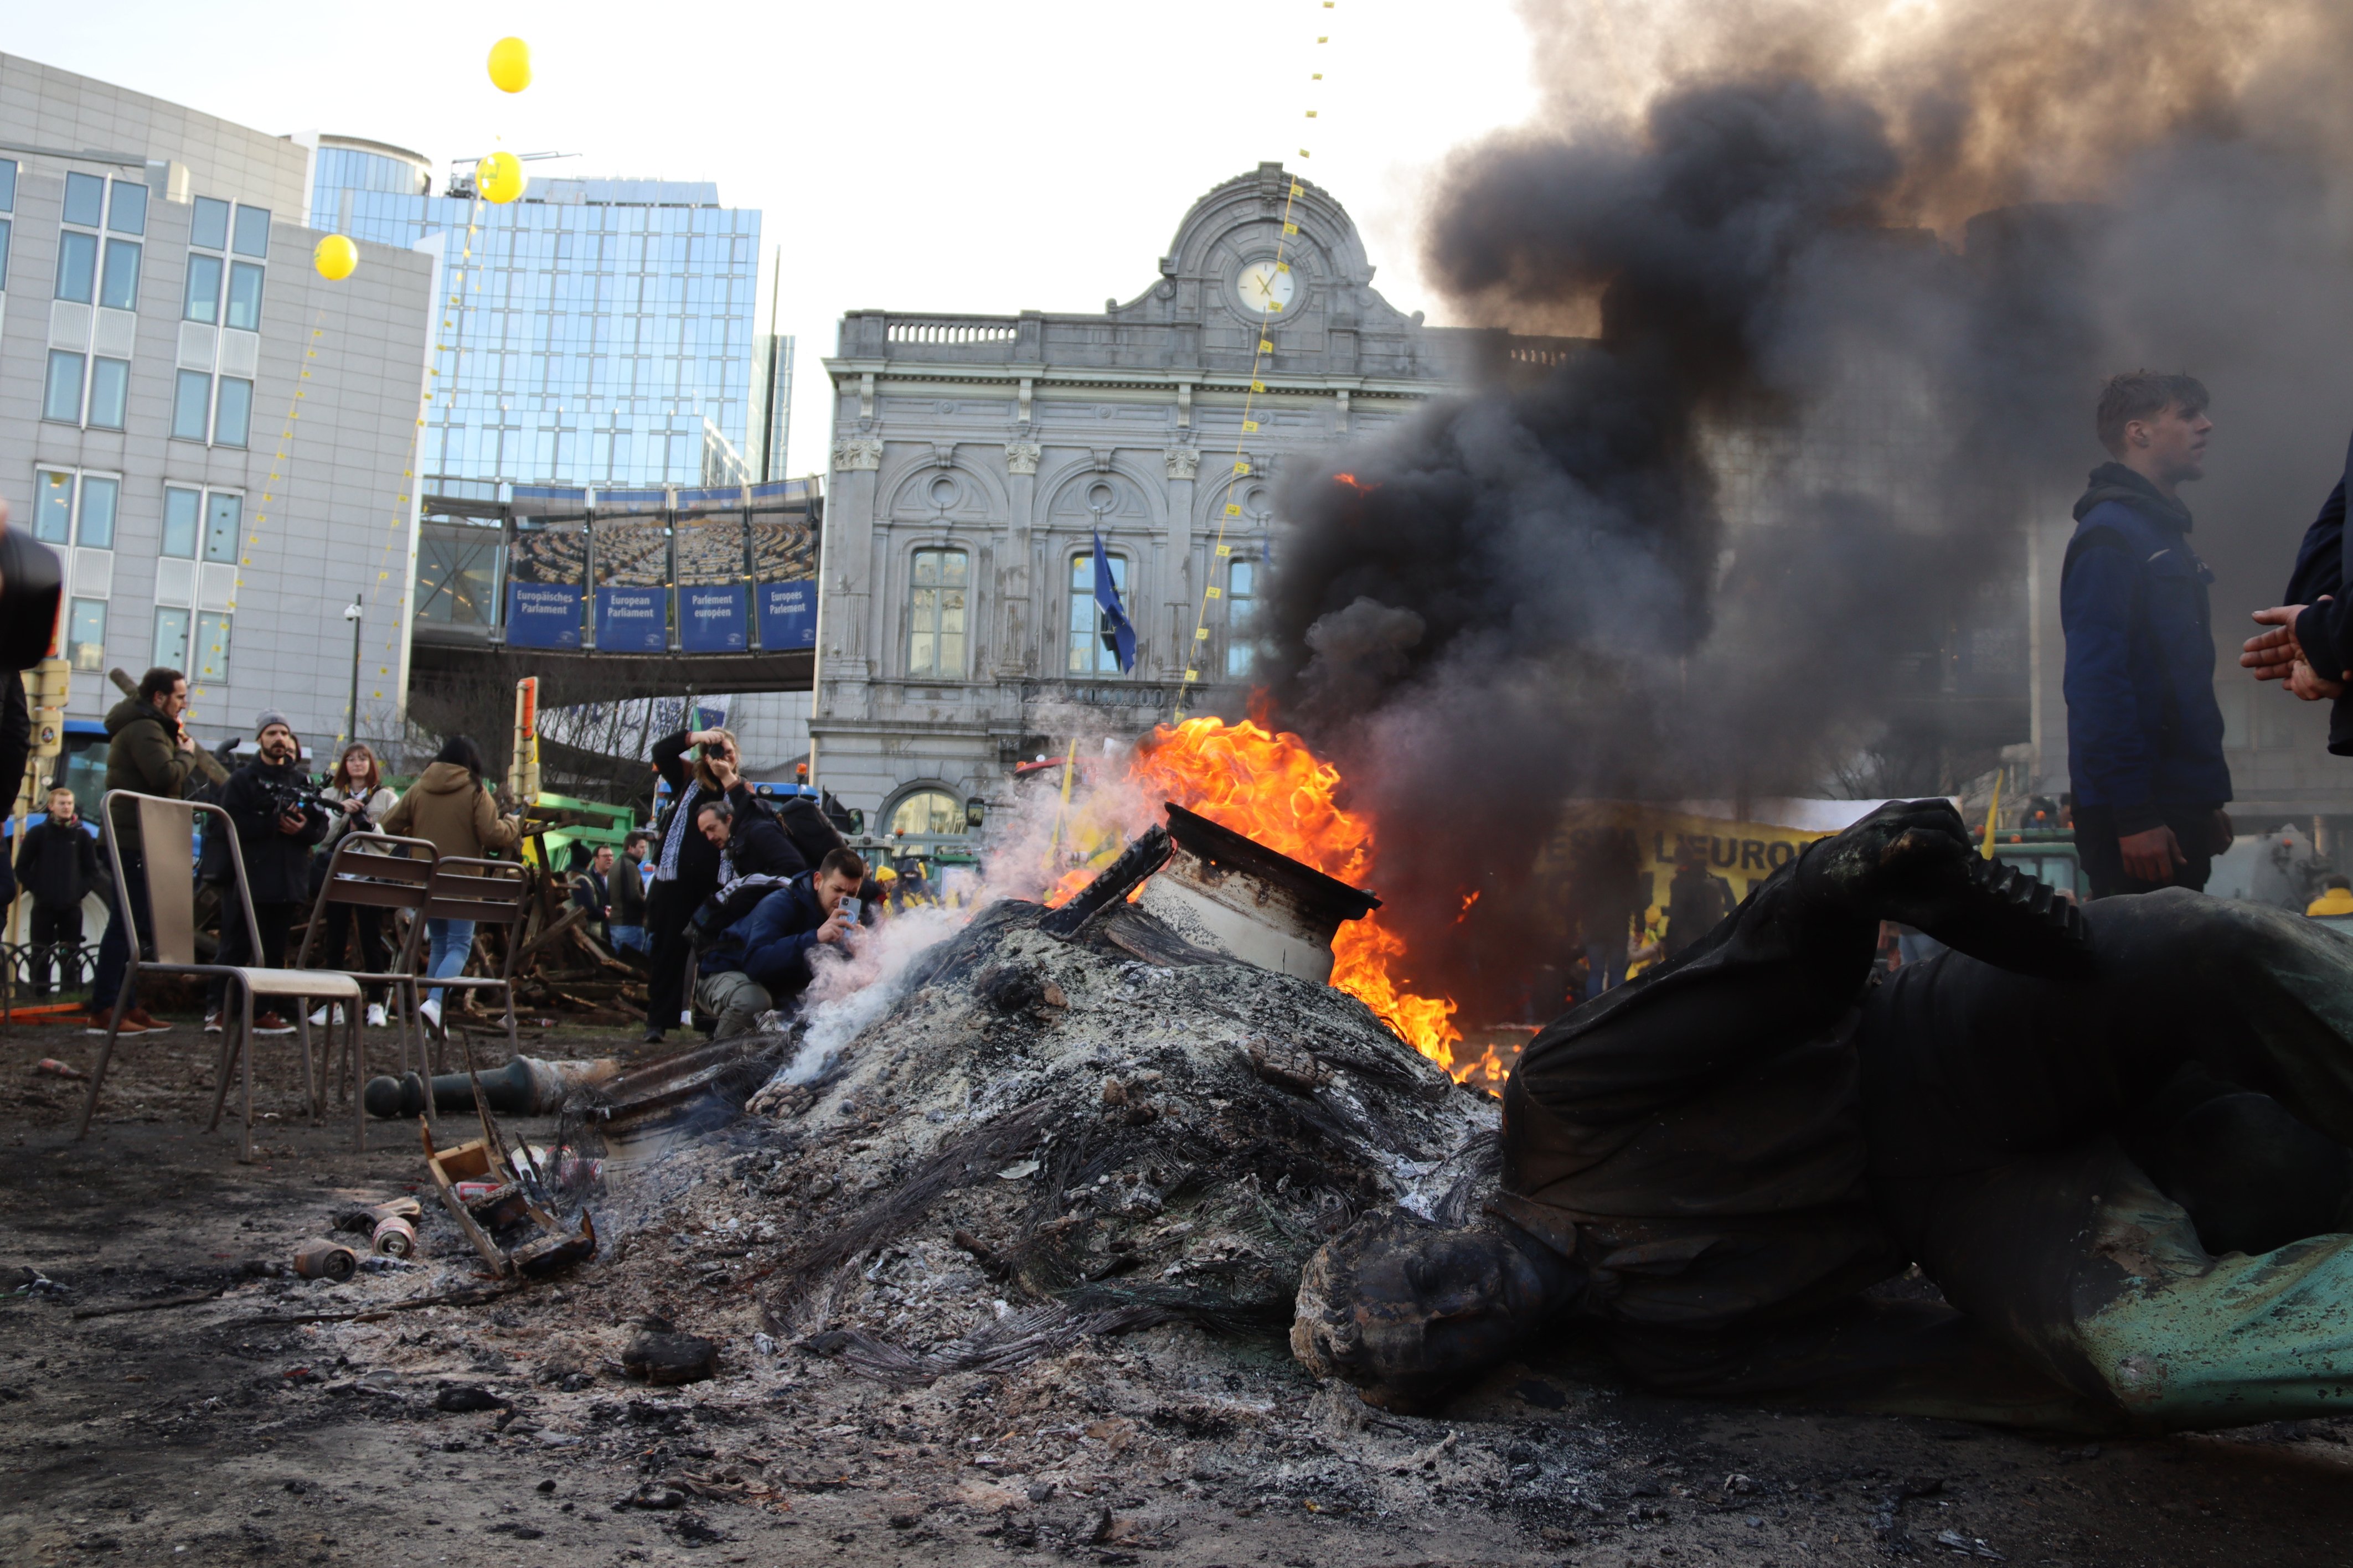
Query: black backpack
[{"x": 805, "y": 824}]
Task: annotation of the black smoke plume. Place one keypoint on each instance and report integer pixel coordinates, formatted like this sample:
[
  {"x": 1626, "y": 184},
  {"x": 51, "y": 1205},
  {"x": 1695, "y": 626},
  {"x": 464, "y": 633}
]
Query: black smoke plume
[{"x": 1841, "y": 290}]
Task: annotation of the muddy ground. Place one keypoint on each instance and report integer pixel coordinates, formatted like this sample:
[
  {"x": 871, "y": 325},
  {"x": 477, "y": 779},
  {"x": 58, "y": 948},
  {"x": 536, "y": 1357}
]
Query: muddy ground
[{"x": 230, "y": 1430}]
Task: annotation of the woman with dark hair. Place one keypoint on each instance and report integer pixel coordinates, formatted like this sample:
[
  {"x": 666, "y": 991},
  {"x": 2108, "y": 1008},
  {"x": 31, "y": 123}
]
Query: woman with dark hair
[
  {"x": 450, "y": 806},
  {"x": 357, "y": 785},
  {"x": 685, "y": 866}
]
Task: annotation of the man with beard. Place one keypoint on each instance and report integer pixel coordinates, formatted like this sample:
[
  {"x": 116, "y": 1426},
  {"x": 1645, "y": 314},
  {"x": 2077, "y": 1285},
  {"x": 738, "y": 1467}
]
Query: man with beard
[
  {"x": 2114, "y": 1137},
  {"x": 275, "y": 831}
]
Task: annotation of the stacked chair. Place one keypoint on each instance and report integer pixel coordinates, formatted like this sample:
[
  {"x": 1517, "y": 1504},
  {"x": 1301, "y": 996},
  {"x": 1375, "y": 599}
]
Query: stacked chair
[
  {"x": 380, "y": 871},
  {"x": 371, "y": 870}
]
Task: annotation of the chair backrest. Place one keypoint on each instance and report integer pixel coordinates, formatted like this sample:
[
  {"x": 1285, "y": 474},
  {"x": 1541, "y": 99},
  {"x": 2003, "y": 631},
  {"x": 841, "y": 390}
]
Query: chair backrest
[
  {"x": 381, "y": 871},
  {"x": 493, "y": 892},
  {"x": 168, "y": 833}
]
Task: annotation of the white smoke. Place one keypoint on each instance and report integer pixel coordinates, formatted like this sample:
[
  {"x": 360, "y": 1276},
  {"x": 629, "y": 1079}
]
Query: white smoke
[{"x": 1031, "y": 845}]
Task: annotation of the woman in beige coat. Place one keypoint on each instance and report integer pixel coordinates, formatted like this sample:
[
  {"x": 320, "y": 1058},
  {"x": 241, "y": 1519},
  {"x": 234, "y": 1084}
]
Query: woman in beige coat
[{"x": 450, "y": 806}]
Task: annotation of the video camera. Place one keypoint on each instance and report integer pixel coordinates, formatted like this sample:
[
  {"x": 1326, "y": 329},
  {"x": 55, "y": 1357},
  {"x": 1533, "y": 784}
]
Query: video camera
[{"x": 288, "y": 796}]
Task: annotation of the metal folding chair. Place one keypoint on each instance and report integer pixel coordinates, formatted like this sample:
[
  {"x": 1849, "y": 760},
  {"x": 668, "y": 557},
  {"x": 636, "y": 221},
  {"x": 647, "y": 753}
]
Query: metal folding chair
[
  {"x": 167, "y": 831},
  {"x": 487, "y": 892},
  {"x": 379, "y": 871}
]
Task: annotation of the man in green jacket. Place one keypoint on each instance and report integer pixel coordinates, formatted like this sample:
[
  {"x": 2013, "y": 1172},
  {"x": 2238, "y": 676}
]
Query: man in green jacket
[{"x": 147, "y": 752}]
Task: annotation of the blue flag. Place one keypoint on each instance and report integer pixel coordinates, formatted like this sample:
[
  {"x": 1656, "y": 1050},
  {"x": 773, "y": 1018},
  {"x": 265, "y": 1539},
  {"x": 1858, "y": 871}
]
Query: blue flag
[{"x": 1118, "y": 636}]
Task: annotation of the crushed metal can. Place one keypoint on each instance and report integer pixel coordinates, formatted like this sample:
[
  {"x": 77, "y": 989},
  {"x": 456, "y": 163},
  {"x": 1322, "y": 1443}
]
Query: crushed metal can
[
  {"x": 393, "y": 1237},
  {"x": 325, "y": 1260}
]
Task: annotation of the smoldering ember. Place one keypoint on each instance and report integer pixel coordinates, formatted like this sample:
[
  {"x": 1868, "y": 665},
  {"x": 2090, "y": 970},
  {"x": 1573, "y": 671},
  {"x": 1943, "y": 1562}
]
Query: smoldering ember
[{"x": 1626, "y": 936}]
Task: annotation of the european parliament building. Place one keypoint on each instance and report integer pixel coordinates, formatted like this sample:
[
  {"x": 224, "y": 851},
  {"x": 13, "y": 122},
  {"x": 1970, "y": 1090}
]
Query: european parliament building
[
  {"x": 593, "y": 333},
  {"x": 601, "y": 421}
]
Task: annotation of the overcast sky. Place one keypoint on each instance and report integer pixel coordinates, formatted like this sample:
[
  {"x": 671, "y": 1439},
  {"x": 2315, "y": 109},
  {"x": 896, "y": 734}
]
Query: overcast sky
[{"x": 1035, "y": 154}]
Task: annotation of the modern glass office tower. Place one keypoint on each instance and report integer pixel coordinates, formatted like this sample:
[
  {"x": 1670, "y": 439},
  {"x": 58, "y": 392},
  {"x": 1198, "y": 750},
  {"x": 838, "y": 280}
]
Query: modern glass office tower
[{"x": 596, "y": 332}]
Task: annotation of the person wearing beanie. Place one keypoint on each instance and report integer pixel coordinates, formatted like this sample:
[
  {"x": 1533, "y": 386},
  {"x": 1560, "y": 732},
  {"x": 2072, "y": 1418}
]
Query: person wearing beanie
[{"x": 275, "y": 831}]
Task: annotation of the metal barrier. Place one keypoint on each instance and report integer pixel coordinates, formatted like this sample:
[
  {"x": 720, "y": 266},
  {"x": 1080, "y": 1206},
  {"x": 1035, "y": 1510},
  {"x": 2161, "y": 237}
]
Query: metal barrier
[{"x": 32, "y": 972}]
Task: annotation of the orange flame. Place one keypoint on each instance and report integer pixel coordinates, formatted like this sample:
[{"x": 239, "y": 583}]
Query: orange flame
[
  {"x": 1269, "y": 786},
  {"x": 1466, "y": 905},
  {"x": 1354, "y": 484}
]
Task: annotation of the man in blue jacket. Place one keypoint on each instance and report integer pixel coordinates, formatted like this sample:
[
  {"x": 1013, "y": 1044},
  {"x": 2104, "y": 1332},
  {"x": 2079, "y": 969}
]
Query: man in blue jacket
[
  {"x": 2144, "y": 729},
  {"x": 763, "y": 960}
]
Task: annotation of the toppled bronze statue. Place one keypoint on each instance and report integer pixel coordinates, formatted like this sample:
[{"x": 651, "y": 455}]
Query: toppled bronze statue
[{"x": 2116, "y": 1139}]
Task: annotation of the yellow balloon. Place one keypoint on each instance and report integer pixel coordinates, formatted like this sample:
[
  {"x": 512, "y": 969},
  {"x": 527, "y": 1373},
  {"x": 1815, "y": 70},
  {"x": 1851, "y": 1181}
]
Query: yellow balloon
[
  {"x": 335, "y": 257},
  {"x": 498, "y": 177},
  {"x": 510, "y": 65}
]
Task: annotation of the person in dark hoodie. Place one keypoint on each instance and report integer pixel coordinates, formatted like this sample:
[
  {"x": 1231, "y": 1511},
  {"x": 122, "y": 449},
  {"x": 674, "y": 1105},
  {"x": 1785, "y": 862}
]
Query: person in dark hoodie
[
  {"x": 762, "y": 961},
  {"x": 756, "y": 858},
  {"x": 2144, "y": 729},
  {"x": 275, "y": 833},
  {"x": 149, "y": 752},
  {"x": 57, "y": 867},
  {"x": 2309, "y": 639}
]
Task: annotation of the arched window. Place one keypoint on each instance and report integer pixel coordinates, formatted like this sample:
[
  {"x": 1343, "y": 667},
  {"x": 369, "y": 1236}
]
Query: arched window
[{"x": 928, "y": 811}]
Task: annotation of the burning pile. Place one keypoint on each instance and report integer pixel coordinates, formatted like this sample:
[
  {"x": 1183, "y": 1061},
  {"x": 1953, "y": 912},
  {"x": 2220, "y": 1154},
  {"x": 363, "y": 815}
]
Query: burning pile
[{"x": 1268, "y": 786}]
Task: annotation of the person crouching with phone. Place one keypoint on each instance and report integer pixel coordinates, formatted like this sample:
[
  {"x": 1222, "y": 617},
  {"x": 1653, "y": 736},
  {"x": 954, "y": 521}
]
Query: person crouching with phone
[{"x": 761, "y": 962}]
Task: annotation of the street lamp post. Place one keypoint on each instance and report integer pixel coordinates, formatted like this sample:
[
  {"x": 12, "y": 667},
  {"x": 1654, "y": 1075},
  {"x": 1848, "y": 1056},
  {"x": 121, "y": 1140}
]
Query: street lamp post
[{"x": 352, "y": 713}]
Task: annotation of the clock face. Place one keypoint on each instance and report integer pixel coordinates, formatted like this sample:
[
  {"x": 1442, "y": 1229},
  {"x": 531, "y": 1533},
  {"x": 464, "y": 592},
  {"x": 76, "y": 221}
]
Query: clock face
[{"x": 1264, "y": 289}]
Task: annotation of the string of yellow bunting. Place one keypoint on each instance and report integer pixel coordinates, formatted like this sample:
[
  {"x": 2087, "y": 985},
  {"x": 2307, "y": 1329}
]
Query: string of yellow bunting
[{"x": 1239, "y": 468}]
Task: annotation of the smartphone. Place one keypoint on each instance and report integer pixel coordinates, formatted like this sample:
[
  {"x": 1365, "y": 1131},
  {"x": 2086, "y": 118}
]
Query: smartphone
[{"x": 852, "y": 908}]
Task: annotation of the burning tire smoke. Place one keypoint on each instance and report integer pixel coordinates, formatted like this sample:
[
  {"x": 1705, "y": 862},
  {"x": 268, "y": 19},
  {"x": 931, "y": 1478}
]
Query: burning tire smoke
[{"x": 1850, "y": 274}]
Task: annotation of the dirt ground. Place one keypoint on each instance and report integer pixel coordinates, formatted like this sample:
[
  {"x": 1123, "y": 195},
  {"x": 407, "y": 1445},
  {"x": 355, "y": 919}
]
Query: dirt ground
[{"x": 230, "y": 1429}]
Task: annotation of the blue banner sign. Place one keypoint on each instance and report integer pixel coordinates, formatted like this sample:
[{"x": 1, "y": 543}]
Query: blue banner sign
[
  {"x": 632, "y": 620},
  {"x": 788, "y": 614},
  {"x": 710, "y": 618},
  {"x": 542, "y": 615}
]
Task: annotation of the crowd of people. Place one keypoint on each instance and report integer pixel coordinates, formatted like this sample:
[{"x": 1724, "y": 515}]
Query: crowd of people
[
  {"x": 723, "y": 902},
  {"x": 286, "y": 830}
]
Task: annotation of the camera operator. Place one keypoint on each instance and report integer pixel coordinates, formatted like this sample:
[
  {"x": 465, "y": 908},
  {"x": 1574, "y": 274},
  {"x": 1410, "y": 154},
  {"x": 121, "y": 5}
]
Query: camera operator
[
  {"x": 149, "y": 752},
  {"x": 278, "y": 819}
]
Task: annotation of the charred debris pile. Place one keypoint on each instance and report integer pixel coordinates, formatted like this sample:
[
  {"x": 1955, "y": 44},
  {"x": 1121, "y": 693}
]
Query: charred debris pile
[{"x": 1106, "y": 1113}]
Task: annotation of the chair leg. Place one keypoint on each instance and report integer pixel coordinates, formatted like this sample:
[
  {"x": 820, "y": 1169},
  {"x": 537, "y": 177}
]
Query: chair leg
[
  {"x": 245, "y": 1145},
  {"x": 302, "y": 1025},
  {"x": 412, "y": 1051},
  {"x": 355, "y": 1053},
  {"x": 98, "y": 1073},
  {"x": 232, "y": 1050}
]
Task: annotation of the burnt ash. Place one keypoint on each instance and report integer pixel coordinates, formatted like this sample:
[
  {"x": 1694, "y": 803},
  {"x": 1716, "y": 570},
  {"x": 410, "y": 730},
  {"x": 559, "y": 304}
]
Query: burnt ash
[{"x": 1126, "y": 1140}]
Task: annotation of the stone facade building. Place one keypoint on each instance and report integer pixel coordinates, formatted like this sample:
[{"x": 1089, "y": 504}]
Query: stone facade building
[{"x": 976, "y": 457}]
